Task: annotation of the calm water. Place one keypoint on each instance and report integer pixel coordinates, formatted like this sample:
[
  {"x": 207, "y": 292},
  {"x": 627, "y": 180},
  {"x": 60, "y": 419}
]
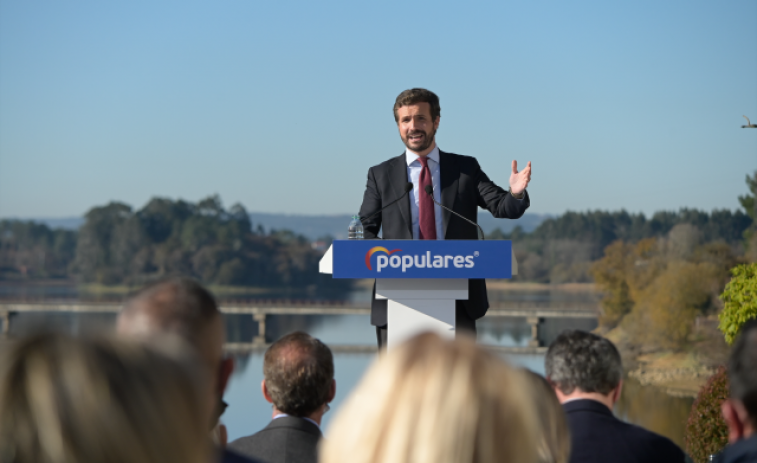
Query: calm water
[{"x": 248, "y": 411}]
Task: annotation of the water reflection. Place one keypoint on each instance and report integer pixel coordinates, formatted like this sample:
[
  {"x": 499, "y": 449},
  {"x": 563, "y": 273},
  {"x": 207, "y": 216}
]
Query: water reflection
[
  {"x": 503, "y": 296},
  {"x": 249, "y": 412},
  {"x": 653, "y": 409}
]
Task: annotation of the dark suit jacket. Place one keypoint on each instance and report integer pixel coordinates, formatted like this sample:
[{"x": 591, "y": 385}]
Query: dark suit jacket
[
  {"x": 743, "y": 451},
  {"x": 598, "y": 437},
  {"x": 228, "y": 456},
  {"x": 465, "y": 188},
  {"x": 285, "y": 440}
]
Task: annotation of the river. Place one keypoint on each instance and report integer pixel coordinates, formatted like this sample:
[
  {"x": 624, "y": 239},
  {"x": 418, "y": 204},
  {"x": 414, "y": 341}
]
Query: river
[{"x": 248, "y": 411}]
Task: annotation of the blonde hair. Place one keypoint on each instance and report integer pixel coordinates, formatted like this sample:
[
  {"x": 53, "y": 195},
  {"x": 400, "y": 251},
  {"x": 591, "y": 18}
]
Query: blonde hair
[
  {"x": 554, "y": 437},
  {"x": 434, "y": 401},
  {"x": 67, "y": 400}
]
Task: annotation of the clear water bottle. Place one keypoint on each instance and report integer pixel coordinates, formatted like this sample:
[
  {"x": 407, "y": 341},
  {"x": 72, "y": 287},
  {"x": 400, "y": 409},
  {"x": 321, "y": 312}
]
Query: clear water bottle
[{"x": 355, "y": 230}]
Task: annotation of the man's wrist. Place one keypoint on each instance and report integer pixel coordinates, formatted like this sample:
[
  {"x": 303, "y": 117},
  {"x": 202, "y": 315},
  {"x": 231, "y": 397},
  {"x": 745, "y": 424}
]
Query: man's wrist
[{"x": 520, "y": 195}]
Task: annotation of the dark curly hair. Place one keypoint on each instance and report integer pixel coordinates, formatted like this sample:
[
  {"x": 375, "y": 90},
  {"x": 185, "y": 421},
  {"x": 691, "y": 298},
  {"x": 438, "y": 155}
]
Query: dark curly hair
[
  {"x": 577, "y": 359},
  {"x": 299, "y": 371}
]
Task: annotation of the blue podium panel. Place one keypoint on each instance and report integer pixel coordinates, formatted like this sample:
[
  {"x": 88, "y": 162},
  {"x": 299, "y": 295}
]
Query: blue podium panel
[{"x": 422, "y": 259}]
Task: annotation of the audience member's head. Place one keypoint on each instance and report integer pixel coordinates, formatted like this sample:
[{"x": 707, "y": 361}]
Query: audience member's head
[
  {"x": 583, "y": 365},
  {"x": 553, "y": 443},
  {"x": 67, "y": 400},
  {"x": 181, "y": 307},
  {"x": 740, "y": 411},
  {"x": 299, "y": 376},
  {"x": 435, "y": 401}
]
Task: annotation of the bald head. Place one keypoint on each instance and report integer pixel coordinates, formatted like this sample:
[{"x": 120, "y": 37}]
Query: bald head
[{"x": 180, "y": 307}]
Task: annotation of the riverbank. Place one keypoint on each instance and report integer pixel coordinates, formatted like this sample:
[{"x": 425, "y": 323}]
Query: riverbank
[{"x": 680, "y": 373}]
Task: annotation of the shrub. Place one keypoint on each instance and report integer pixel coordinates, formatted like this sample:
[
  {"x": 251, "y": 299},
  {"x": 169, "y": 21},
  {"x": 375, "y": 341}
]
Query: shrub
[
  {"x": 706, "y": 431},
  {"x": 740, "y": 300}
]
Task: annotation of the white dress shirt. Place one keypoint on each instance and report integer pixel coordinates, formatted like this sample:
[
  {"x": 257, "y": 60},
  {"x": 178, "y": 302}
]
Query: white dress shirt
[{"x": 413, "y": 175}]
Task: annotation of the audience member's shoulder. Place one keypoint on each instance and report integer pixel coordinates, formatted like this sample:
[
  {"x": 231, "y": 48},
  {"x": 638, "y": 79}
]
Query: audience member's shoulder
[
  {"x": 663, "y": 449},
  {"x": 743, "y": 451},
  {"x": 229, "y": 456},
  {"x": 242, "y": 444}
]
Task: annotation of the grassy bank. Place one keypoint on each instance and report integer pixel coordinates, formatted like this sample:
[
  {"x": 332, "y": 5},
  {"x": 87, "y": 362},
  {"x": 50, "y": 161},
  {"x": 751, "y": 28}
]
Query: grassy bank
[{"x": 679, "y": 372}]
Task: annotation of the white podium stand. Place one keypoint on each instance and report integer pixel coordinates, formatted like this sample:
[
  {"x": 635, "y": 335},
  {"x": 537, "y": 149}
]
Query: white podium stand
[{"x": 416, "y": 305}]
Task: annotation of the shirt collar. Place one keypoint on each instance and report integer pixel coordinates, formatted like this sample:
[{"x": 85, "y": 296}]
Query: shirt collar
[{"x": 411, "y": 157}]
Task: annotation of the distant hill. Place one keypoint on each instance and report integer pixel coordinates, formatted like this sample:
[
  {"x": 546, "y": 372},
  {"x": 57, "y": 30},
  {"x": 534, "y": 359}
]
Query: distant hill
[
  {"x": 65, "y": 223},
  {"x": 316, "y": 226}
]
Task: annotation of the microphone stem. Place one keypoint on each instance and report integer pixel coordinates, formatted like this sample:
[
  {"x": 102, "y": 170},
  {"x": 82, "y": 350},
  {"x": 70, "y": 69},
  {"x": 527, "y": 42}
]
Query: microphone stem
[{"x": 483, "y": 237}]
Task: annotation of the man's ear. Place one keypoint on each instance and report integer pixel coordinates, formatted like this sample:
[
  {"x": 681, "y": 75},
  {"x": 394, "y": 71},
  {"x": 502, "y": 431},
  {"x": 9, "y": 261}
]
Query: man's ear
[
  {"x": 223, "y": 435},
  {"x": 616, "y": 392},
  {"x": 227, "y": 368},
  {"x": 553, "y": 385},
  {"x": 732, "y": 419},
  {"x": 332, "y": 391},
  {"x": 266, "y": 394},
  {"x": 436, "y": 122}
]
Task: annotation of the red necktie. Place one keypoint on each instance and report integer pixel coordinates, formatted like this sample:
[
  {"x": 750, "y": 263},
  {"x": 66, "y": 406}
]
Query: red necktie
[{"x": 427, "y": 222}]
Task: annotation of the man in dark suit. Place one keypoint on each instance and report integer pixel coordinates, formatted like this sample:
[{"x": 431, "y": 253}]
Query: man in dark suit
[
  {"x": 586, "y": 371},
  {"x": 740, "y": 410},
  {"x": 299, "y": 382},
  {"x": 458, "y": 183}
]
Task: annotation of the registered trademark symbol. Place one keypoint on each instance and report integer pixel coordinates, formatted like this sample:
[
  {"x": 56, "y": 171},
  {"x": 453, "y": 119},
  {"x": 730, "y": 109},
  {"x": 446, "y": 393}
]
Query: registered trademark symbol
[{"x": 475, "y": 253}]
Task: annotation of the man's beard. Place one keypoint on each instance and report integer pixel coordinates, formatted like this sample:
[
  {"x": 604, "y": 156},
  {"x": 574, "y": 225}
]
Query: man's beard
[{"x": 428, "y": 139}]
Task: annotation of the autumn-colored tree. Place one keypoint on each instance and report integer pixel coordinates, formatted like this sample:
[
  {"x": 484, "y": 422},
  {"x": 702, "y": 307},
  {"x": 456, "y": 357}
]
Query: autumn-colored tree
[
  {"x": 611, "y": 275},
  {"x": 671, "y": 303},
  {"x": 621, "y": 275},
  {"x": 706, "y": 431},
  {"x": 657, "y": 287}
]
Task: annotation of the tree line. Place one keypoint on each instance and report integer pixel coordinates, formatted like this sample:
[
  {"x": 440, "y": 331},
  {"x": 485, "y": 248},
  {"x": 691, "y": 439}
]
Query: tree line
[
  {"x": 654, "y": 288},
  {"x": 118, "y": 245},
  {"x": 562, "y": 249}
]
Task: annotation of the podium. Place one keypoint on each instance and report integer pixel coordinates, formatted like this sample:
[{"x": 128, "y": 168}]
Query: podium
[{"x": 421, "y": 279}]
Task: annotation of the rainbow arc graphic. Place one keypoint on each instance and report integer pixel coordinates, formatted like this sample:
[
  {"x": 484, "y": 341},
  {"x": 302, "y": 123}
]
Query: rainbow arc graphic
[{"x": 373, "y": 251}]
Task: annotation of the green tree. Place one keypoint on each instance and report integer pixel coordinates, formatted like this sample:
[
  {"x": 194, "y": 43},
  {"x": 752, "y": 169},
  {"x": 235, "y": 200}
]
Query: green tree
[
  {"x": 749, "y": 203},
  {"x": 740, "y": 301},
  {"x": 94, "y": 259},
  {"x": 748, "y": 200},
  {"x": 33, "y": 250}
]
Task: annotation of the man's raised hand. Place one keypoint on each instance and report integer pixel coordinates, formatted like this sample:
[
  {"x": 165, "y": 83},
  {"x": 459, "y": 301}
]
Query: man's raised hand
[{"x": 519, "y": 180}]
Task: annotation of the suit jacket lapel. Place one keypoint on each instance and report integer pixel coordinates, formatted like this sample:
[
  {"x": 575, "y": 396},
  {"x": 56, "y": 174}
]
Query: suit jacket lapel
[
  {"x": 449, "y": 176},
  {"x": 398, "y": 180}
]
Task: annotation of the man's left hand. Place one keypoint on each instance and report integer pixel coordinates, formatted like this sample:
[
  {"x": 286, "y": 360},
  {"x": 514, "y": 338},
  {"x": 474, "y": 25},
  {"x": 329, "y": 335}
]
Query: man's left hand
[{"x": 519, "y": 180}]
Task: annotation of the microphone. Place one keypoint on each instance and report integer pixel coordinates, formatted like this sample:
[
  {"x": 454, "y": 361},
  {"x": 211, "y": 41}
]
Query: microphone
[
  {"x": 408, "y": 187},
  {"x": 430, "y": 191}
]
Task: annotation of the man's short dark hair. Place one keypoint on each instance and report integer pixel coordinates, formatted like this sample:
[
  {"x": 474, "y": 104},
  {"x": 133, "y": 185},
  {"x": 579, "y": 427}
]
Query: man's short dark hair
[
  {"x": 415, "y": 96},
  {"x": 742, "y": 368},
  {"x": 577, "y": 359},
  {"x": 299, "y": 371},
  {"x": 176, "y": 305}
]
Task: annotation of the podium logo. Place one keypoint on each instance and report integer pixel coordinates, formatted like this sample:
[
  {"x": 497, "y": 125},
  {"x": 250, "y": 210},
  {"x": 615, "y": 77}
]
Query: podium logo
[
  {"x": 416, "y": 261},
  {"x": 373, "y": 251}
]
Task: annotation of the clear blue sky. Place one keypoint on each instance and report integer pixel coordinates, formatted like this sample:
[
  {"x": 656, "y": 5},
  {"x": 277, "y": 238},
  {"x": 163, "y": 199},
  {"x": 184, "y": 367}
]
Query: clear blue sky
[{"x": 283, "y": 106}]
